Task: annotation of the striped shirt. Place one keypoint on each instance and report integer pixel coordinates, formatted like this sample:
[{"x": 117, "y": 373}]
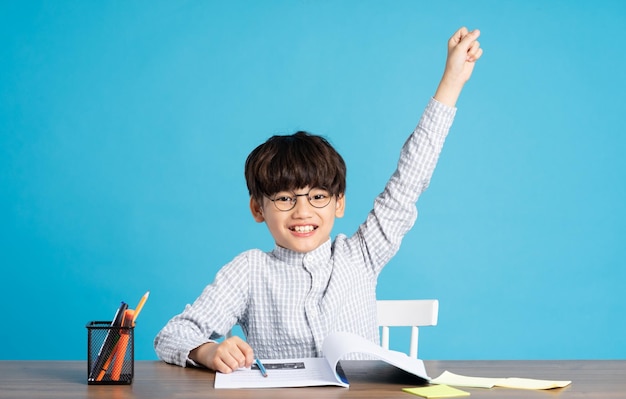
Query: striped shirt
[{"x": 287, "y": 302}]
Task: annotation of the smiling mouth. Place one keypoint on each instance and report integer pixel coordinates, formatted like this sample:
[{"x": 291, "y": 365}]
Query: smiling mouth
[{"x": 303, "y": 229}]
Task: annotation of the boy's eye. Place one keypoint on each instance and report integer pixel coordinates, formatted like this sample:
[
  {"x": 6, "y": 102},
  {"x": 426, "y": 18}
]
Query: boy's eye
[
  {"x": 283, "y": 198},
  {"x": 318, "y": 194}
]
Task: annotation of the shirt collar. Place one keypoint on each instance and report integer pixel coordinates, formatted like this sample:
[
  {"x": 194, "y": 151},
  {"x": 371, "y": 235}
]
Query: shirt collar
[{"x": 319, "y": 254}]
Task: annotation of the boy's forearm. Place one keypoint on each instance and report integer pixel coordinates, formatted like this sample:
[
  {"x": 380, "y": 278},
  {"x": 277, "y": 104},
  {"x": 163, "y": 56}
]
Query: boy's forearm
[{"x": 448, "y": 91}]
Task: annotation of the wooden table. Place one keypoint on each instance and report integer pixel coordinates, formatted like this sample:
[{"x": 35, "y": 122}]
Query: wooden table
[{"x": 368, "y": 379}]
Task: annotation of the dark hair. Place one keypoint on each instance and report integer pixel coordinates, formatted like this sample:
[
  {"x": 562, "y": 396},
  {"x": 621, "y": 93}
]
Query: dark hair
[{"x": 294, "y": 161}]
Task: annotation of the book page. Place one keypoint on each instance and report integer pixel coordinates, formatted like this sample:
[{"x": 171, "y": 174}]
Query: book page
[
  {"x": 281, "y": 373},
  {"x": 340, "y": 344}
]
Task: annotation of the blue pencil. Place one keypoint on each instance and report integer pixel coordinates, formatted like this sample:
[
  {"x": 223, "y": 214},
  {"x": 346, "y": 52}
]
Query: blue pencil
[{"x": 261, "y": 367}]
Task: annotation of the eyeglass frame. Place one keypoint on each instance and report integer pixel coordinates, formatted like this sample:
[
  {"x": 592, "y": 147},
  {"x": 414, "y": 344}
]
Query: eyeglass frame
[{"x": 295, "y": 196}]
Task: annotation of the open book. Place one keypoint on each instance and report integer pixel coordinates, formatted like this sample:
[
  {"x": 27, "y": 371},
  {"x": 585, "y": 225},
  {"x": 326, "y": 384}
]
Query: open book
[{"x": 317, "y": 371}]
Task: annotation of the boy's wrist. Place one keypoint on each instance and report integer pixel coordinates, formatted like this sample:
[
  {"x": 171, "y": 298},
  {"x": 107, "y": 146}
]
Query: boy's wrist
[
  {"x": 199, "y": 354},
  {"x": 448, "y": 91}
]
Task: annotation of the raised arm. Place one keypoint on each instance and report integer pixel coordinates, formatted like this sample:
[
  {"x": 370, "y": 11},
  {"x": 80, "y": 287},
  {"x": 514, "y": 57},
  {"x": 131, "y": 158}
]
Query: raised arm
[
  {"x": 394, "y": 212},
  {"x": 463, "y": 52}
]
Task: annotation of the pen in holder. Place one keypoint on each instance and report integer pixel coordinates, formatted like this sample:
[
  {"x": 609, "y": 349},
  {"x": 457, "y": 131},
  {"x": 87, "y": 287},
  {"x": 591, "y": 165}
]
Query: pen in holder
[{"x": 111, "y": 351}]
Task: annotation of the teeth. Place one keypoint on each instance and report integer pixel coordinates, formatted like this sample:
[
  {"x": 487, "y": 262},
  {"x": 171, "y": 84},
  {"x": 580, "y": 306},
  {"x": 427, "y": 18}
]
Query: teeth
[{"x": 304, "y": 229}]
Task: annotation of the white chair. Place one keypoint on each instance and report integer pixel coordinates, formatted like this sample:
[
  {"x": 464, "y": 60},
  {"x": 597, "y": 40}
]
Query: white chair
[{"x": 412, "y": 313}]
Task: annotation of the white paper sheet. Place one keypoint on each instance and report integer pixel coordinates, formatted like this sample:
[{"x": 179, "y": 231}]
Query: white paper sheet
[{"x": 448, "y": 378}]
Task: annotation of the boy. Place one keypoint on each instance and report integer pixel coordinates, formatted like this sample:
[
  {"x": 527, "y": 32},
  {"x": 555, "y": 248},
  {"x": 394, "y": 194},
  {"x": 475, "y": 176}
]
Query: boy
[{"x": 288, "y": 300}]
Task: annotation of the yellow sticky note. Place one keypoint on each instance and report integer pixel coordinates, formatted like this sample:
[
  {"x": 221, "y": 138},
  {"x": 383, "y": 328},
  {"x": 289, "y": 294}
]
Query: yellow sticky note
[{"x": 436, "y": 391}]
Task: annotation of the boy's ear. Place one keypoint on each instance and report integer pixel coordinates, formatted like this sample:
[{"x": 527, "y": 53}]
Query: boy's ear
[
  {"x": 340, "y": 206},
  {"x": 257, "y": 211}
]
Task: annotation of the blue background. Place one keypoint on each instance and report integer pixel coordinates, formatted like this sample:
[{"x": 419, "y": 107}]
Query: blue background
[{"x": 124, "y": 127}]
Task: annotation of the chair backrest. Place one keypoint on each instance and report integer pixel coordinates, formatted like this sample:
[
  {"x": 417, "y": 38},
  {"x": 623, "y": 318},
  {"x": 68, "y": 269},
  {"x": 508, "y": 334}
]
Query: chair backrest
[{"x": 411, "y": 313}]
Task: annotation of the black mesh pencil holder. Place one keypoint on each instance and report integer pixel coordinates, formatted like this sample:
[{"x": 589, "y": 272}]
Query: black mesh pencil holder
[{"x": 110, "y": 354}]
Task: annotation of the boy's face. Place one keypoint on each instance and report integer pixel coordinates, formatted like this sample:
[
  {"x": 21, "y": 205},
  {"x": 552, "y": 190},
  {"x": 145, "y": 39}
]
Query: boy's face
[{"x": 303, "y": 228}]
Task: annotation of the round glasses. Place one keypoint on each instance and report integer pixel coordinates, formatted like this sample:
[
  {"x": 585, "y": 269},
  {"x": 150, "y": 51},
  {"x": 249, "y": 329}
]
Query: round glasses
[{"x": 286, "y": 200}]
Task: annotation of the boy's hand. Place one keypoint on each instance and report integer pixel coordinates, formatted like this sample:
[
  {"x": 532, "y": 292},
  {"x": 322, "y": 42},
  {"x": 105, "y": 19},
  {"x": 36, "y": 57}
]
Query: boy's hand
[
  {"x": 463, "y": 52},
  {"x": 225, "y": 357}
]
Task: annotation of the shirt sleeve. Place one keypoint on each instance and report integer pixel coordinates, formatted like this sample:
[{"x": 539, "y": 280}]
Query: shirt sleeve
[
  {"x": 394, "y": 211},
  {"x": 212, "y": 315}
]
